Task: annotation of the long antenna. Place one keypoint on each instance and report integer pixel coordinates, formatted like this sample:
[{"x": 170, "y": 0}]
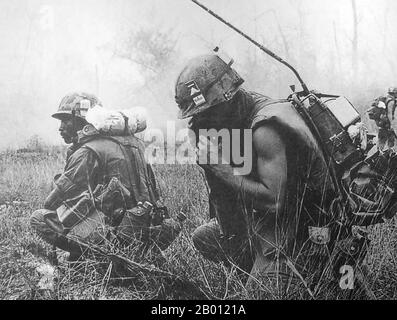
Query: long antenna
[
  {"x": 304, "y": 87},
  {"x": 264, "y": 49}
]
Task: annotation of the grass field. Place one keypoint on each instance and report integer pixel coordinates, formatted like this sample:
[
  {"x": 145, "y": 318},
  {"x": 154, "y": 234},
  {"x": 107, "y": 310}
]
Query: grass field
[{"x": 25, "y": 180}]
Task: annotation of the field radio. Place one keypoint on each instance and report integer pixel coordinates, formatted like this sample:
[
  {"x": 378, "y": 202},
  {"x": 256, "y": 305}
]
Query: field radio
[{"x": 336, "y": 123}]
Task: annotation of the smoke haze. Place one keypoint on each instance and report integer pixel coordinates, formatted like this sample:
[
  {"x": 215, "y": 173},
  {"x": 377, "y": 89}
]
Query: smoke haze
[{"x": 109, "y": 48}]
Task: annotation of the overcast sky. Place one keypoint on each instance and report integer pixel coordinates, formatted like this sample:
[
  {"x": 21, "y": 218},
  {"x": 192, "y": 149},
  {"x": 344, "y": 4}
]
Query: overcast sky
[{"x": 51, "y": 48}]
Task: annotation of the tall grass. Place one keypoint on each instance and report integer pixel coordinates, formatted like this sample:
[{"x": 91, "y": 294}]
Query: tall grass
[{"x": 180, "y": 273}]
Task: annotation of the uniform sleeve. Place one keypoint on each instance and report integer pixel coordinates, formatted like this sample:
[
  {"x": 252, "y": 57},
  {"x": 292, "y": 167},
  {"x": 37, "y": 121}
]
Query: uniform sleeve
[{"x": 81, "y": 171}]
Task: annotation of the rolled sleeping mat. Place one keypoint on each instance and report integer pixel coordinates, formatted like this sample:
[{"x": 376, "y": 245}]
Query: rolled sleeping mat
[{"x": 117, "y": 122}]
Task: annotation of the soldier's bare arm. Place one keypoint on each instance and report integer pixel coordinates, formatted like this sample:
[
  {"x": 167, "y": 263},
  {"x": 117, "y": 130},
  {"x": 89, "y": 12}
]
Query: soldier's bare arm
[{"x": 268, "y": 190}]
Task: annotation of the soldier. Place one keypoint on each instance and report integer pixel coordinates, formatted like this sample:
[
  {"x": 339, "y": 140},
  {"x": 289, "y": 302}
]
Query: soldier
[
  {"x": 268, "y": 223},
  {"x": 391, "y": 101},
  {"x": 81, "y": 206},
  {"x": 382, "y": 112}
]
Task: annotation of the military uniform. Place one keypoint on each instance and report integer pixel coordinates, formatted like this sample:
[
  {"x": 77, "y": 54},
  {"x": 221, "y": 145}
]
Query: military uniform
[
  {"x": 391, "y": 104},
  {"x": 381, "y": 116},
  {"x": 275, "y": 236},
  {"x": 94, "y": 160},
  {"x": 260, "y": 231}
]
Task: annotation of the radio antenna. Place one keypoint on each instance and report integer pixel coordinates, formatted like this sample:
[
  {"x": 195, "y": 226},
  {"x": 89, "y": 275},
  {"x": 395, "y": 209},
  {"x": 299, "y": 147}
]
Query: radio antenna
[{"x": 260, "y": 46}]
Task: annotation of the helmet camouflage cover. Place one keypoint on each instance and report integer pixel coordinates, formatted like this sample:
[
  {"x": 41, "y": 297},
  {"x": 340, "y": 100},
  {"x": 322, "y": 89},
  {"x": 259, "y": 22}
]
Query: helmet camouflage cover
[
  {"x": 392, "y": 90},
  {"x": 206, "y": 81},
  {"x": 77, "y": 104}
]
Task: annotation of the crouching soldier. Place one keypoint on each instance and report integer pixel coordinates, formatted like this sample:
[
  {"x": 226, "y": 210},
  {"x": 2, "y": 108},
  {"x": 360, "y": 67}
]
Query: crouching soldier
[
  {"x": 264, "y": 218},
  {"x": 278, "y": 222},
  {"x": 107, "y": 189}
]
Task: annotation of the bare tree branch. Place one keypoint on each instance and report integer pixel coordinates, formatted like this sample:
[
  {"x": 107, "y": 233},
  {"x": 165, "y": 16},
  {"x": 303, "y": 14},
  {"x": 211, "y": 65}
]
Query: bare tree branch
[{"x": 355, "y": 40}]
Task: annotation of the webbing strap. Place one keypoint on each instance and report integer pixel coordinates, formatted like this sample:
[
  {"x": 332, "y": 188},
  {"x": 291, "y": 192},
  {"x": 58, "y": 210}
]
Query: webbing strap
[
  {"x": 143, "y": 173},
  {"x": 259, "y": 106}
]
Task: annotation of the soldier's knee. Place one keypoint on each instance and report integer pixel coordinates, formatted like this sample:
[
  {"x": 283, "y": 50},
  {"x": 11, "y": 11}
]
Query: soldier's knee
[
  {"x": 39, "y": 225},
  {"x": 206, "y": 234},
  {"x": 206, "y": 240}
]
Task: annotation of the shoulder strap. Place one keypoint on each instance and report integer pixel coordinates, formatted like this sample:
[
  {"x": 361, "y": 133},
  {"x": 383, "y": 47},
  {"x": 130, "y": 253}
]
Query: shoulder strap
[
  {"x": 144, "y": 169},
  {"x": 260, "y": 106}
]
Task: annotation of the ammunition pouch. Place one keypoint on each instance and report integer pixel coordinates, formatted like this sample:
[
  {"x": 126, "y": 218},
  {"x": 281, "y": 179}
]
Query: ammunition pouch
[
  {"x": 114, "y": 196},
  {"x": 105, "y": 200},
  {"x": 135, "y": 225},
  {"x": 148, "y": 224}
]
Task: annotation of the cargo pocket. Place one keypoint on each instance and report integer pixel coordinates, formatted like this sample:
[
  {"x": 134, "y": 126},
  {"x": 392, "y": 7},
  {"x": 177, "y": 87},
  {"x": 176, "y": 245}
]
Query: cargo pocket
[
  {"x": 134, "y": 225},
  {"x": 92, "y": 230}
]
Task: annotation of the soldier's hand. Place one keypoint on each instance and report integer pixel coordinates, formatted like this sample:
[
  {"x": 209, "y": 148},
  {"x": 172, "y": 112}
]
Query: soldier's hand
[{"x": 207, "y": 152}]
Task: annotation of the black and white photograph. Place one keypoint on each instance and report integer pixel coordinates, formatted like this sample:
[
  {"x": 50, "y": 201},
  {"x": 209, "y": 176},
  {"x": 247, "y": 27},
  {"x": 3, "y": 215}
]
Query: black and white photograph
[{"x": 217, "y": 151}]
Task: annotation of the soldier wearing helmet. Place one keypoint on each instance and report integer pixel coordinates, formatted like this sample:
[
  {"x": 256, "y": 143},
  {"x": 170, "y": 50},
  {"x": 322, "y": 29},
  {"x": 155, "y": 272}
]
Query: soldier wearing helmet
[
  {"x": 71, "y": 112},
  {"x": 391, "y": 101},
  {"x": 382, "y": 111},
  {"x": 269, "y": 219},
  {"x": 72, "y": 212}
]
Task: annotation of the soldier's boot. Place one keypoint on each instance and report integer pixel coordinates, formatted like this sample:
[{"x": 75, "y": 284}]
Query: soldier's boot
[
  {"x": 164, "y": 234},
  {"x": 161, "y": 237}
]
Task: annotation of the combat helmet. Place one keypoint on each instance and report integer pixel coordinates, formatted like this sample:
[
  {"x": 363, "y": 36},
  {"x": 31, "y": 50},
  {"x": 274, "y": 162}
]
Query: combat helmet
[
  {"x": 206, "y": 81},
  {"x": 392, "y": 90},
  {"x": 76, "y": 104}
]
